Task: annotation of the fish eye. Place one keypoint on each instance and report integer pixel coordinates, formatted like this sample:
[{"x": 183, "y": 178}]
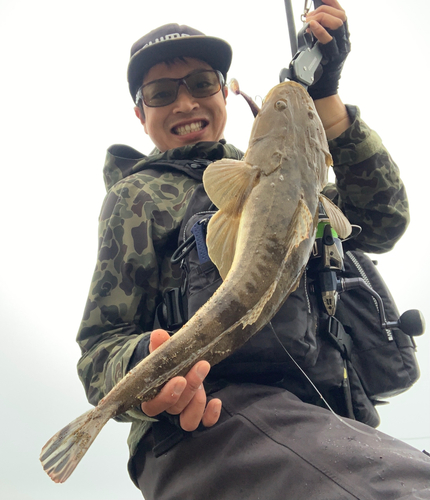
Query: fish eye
[{"x": 281, "y": 104}]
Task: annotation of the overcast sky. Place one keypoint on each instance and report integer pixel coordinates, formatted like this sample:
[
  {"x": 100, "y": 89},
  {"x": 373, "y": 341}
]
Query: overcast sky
[{"x": 64, "y": 99}]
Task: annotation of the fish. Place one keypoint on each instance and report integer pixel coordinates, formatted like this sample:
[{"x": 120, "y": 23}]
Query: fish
[{"x": 260, "y": 239}]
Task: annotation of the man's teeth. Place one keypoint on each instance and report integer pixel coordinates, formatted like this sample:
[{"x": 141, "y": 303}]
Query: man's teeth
[{"x": 191, "y": 127}]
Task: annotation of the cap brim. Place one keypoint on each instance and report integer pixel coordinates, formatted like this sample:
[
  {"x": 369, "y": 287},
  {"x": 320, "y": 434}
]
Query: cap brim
[{"x": 215, "y": 51}]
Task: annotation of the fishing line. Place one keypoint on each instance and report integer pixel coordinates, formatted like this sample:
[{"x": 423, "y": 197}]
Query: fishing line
[{"x": 317, "y": 390}]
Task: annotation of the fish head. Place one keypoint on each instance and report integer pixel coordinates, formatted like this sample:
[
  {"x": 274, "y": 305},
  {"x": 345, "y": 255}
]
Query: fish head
[{"x": 287, "y": 124}]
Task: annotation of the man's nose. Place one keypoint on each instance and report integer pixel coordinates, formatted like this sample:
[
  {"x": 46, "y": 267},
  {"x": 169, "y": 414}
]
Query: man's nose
[{"x": 185, "y": 102}]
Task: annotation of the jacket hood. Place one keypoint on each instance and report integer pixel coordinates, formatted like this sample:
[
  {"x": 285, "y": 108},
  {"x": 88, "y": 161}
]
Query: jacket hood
[{"x": 122, "y": 161}]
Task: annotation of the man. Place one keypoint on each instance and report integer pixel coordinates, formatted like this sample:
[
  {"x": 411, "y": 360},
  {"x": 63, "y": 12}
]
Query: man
[{"x": 231, "y": 444}]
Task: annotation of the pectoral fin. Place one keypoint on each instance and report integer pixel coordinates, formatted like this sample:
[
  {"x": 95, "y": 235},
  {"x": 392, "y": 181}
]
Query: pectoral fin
[
  {"x": 338, "y": 220},
  {"x": 301, "y": 224},
  {"x": 221, "y": 241},
  {"x": 228, "y": 184}
]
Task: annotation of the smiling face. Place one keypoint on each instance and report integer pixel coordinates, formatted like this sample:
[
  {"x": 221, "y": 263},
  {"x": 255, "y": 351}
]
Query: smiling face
[{"x": 187, "y": 120}]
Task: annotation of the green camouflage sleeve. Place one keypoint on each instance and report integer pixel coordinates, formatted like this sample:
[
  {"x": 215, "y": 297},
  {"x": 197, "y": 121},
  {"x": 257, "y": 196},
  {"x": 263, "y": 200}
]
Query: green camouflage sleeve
[
  {"x": 368, "y": 187},
  {"x": 138, "y": 230}
]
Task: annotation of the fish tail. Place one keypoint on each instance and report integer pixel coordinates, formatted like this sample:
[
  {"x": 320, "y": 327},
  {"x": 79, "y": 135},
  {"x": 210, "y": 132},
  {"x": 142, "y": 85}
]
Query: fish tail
[{"x": 62, "y": 453}]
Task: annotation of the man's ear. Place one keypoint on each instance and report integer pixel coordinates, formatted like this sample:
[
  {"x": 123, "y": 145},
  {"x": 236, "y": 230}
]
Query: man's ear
[
  {"x": 140, "y": 114},
  {"x": 138, "y": 111},
  {"x": 225, "y": 92}
]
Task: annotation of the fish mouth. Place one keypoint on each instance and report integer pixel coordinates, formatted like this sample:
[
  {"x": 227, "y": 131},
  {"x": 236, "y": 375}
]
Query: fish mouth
[{"x": 190, "y": 127}]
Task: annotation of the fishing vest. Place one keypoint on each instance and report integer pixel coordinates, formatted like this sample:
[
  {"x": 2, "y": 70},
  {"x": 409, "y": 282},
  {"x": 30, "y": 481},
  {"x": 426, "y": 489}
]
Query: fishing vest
[{"x": 349, "y": 357}]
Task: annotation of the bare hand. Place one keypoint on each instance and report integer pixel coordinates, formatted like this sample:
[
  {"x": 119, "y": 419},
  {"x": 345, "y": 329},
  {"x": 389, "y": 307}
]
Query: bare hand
[{"x": 184, "y": 396}]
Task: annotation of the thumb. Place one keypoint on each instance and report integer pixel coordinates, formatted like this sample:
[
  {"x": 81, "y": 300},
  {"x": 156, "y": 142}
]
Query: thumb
[{"x": 158, "y": 337}]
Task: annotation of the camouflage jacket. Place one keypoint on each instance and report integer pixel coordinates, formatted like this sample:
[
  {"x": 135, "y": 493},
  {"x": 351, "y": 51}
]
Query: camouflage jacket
[{"x": 138, "y": 231}]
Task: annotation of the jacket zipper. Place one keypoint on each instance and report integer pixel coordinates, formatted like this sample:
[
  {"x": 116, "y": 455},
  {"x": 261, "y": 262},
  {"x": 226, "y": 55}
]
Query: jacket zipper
[
  {"x": 366, "y": 279},
  {"x": 306, "y": 291}
]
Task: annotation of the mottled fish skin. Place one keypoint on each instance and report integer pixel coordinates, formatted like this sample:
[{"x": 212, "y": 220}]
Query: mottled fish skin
[{"x": 260, "y": 239}]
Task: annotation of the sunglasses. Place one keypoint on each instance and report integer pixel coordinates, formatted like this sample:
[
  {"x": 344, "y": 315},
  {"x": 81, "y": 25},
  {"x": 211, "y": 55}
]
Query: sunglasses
[{"x": 200, "y": 83}]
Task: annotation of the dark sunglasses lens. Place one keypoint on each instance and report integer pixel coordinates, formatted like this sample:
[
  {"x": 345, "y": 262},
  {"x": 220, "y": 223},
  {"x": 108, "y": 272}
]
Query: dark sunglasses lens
[
  {"x": 160, "y": 93},
  {"x": 165, "y": 91},
  {"x": 203, "y": 84}
]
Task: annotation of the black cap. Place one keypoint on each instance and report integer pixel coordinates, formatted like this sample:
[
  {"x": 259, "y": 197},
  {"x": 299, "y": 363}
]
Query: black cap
[{"x": 173, "y": 40}]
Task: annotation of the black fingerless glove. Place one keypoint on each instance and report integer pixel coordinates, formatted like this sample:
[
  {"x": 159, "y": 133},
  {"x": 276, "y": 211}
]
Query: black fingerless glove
[{"x": 334, "y": 55}]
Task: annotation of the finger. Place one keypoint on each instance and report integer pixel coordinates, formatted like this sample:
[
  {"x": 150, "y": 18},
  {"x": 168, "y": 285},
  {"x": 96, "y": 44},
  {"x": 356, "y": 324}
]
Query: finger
[
  {"x": 328, "y": 11},
  {"x": 327, "y": 19},
  {"x": 158, "y": 337},
  {"x": 331, "y": 3},
  {"x": 212, "y": 413},
  {"x": 192, "y": 414},
  {"x": 194, "y": 380},
  {"x": 320, "y": 33},
  {"x": 168, "y": 397}
]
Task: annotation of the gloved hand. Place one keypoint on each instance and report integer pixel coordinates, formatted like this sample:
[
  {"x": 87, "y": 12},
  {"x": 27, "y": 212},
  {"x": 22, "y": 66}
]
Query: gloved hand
[{"x": 329, "y": 25}]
